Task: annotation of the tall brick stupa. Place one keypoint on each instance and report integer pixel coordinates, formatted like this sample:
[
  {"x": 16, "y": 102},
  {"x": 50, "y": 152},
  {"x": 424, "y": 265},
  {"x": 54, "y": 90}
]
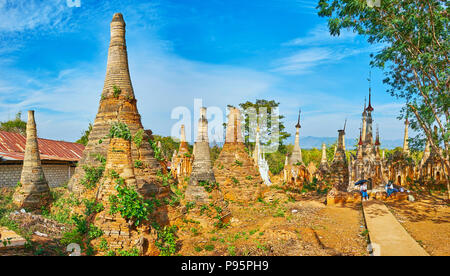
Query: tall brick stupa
[
  {"x": 118, "y": 104},
  {"x": 234, "y": 169},
  {"x": 33, "y": 190}
]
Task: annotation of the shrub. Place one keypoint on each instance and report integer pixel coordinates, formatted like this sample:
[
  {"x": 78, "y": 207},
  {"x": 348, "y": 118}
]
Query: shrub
[
  {"x": 209, "y": 186},
  {"x": 128, "y": 202},
  {"x": 166, "y": 240},
  {"x": 116, "y": 91},
  {"x": 119, "y": 130},
  {"x": 138, "y": 138}
]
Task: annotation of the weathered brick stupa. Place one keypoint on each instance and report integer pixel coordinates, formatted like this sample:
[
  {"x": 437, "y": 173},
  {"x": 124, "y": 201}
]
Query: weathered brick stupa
[
  {"x": 181, "y": 164},
  {"x": 120, "y": 233},
  {"x": 202, "y": 172},
  {"x": 118, "y": 104},
  {"x": 234, "y": 169},
  {"x": 202, "y": 189},
  {"x": 339, "y": 173},
  {"x": 33, "y": 190}
]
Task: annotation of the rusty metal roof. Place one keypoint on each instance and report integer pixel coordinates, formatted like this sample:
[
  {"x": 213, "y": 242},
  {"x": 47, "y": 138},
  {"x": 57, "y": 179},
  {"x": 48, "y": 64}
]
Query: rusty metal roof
[{"x": 12, "y": 147}]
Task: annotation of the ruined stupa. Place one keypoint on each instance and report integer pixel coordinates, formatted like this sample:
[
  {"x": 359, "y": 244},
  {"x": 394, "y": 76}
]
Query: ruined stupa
[
  {"x": 118, "y": 104},
  {"x": 120, "y": 233},
  {"x": 339, "y": 171},
  {"x": 210, "y": 208},
  {"x": 33, "y": 190},
  {"x": 181, "y": 164},
  {"x": 202, "y": 172},
  {"x": 234, "y": 169}
]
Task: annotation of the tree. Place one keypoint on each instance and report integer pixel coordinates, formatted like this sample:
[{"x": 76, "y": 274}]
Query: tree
[
  {"x": 16, "y": 125},
  {"x": 168, "y": 145},
  {"x": 85, "y": 138},
  {"x": 263, "y": 120},
  {"x": 414, "y": 36}
]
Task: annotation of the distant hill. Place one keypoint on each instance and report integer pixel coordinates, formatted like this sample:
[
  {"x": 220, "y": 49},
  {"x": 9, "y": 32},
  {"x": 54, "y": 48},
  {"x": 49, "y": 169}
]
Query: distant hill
[{"x": 310, "y": 142}]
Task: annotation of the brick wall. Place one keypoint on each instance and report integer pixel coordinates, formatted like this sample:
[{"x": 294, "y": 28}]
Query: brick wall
[{"x": 56, "y": 175}]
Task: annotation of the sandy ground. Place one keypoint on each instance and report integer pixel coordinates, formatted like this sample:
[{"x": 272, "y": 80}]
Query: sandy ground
[
  {"x": 282, "y": 228},
  {"x": 428, "y": 221}
]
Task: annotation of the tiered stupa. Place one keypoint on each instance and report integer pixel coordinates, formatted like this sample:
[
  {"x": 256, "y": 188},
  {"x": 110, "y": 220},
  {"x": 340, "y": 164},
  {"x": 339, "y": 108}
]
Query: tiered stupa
[
  {"x": 234, "y": 169},
  {"x": 367, "y": 164},
  {"x": 118, "y": 104},
  {"x": 433, "y": 171},
  {"x": 202, "y": 187},
  {"x": 295, "y": 172},
  {"x": 33, "y": 190},
  {"x": 339, "y": 174},
  {"x": 202, "y": 167}
]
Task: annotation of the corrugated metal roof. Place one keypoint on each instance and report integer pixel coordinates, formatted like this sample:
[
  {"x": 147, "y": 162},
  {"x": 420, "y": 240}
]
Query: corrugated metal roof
[{"x": 12, "y": 147}]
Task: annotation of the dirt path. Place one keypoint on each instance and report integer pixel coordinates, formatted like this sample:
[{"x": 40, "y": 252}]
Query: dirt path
[
  {"x": 427, "y": 220},
  {"x": 387, "y": 235}
]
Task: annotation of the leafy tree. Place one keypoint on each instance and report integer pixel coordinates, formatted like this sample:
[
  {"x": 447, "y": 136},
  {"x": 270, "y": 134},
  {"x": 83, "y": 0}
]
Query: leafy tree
[
  {"x": 168, "y": 145},
  {"x": 414, "y": 37},
  {"x": 16, "y": 125},
  {"x": 85, "y": 138},
  {"x": 266, "y": 127}
]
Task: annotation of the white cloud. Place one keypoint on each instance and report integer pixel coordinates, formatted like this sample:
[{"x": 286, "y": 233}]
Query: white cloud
[
  {"x": 22, "y": 15},
  {"x": 320, "y": 36}
]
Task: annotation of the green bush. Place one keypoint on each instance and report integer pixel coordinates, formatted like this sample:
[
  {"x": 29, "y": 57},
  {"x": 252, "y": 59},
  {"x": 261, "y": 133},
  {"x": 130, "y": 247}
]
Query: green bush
[
  {"x": 128, "y": 202},
  {"x": 209, "y": 186},
  {"x": 119, "y": 130},
  {"x": 167, "y": 240}
]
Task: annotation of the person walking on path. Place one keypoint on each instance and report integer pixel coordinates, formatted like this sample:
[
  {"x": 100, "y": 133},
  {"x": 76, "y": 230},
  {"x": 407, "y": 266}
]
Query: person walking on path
[{"x": 364, "y": 194}]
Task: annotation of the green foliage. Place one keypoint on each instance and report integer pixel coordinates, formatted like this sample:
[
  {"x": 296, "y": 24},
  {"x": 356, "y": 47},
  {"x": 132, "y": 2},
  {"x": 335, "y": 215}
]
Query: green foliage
[
  {"x": 85, "y": 137},
  {"x": 156, "y": 150},
  {"x": 414, "y": 56},
  {"x": 190, "y": 205},
  {"x": 92, "y": 175},
  {"x": 214, "y": 152},
  {"x": 82, "y": 233},
  {"x": 276, "y": 162},
  {"x": 167, "y": 240},
  {"x": 264, "y": 120},
  {"x": 119, "y": 130},
  {"x": 116, "y": 91},
  {"x": 138, "y": 138},
  {"x": 165, "y": 178},
  {"x": 128, "y": 202},
  {"x": 16, "y": 125},
  {"x": 238, "y": 163},
  {"x": 168, "y": 146},
  {"x": 208, "y": 185},
  {"x": 92, "y": 206},
  {"x": 138, "y": 164}
]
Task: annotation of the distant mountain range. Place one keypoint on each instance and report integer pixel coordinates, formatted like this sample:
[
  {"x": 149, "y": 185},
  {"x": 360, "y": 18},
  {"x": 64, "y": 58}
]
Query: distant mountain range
[{"x": 310, "y": 142}]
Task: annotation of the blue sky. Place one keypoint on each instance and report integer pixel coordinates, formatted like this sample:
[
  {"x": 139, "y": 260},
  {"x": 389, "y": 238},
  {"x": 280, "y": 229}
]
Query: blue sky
[{"x": 53, "y": 60}]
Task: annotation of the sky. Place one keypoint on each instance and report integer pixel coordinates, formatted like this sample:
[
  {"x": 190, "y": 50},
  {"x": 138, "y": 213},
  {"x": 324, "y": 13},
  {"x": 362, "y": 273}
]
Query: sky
[{"x": 53, "y": 60}]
